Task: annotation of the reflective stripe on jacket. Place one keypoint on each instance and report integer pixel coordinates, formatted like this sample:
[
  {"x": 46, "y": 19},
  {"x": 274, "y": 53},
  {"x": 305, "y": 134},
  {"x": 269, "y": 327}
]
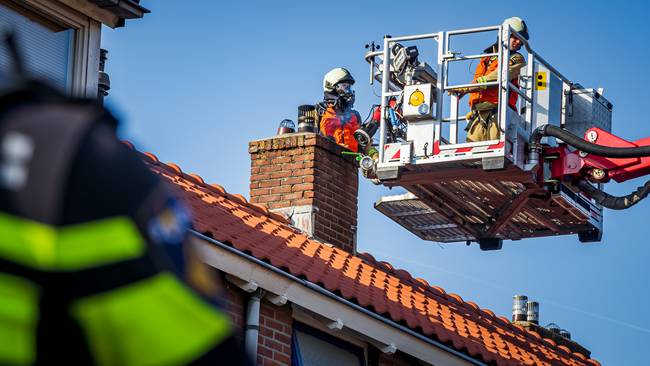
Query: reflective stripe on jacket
[
  {"x": 491, "y": 93},
  {"x": 152, "y": 319},
  {"x": 99, "y": 278}
]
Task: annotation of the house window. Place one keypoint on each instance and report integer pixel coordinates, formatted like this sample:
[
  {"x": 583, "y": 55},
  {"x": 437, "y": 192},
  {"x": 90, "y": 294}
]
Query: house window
[
  {"x": 47, "y": 47},
  {"x": 310, "y": 347}
]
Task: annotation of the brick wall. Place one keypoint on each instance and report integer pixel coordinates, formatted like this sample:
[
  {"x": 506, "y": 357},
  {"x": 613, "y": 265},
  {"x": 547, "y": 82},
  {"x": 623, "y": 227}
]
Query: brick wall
[
  {"x": 235, "y": 304},
  {"x": 276, "y": 324},
  {"x": 274, "y": 338},
  {"x": 305, "y": 176},
  {"x": 274, "y": 348}
]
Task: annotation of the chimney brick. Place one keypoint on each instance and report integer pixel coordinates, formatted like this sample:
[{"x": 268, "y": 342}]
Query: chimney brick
[{"x": 305, "y": 177}]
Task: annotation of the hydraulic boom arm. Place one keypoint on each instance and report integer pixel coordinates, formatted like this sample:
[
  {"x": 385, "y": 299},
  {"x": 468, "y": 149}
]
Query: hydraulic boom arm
[{"x": 599, "y": 158}]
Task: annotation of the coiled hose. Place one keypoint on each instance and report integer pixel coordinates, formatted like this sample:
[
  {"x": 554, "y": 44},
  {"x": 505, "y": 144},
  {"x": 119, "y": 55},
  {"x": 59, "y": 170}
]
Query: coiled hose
[
  {"x": 614, "y": 202},
  {"x": 601, "y": 197}
]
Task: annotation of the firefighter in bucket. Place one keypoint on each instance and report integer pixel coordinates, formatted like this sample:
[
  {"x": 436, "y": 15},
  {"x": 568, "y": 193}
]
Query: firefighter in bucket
[{"x": 482, "y": 120}]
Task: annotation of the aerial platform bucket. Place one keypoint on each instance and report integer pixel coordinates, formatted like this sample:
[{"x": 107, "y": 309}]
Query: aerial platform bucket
[{"x": 485, "y": 191}]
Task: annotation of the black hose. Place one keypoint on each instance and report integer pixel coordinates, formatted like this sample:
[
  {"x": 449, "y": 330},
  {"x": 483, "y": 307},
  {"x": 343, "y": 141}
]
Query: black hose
[
  {"x": 614, "y": 202},
  {"x": 586, "y": 146}
]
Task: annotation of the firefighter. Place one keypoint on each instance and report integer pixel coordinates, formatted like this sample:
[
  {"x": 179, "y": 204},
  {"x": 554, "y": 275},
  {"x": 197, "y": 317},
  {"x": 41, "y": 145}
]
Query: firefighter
[
  {"x": 84, "y": 228},
  {"x": 482, "y": 120},
  {"x": 337, "y": 118}
]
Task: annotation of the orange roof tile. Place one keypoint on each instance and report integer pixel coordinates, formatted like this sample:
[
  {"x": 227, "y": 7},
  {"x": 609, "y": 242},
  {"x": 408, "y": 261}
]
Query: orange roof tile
[{"x": 374, "y": 285}]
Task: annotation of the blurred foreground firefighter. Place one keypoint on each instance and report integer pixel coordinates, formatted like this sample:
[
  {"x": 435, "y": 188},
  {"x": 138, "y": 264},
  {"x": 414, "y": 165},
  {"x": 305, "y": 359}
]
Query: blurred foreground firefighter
[
  {"x": 337, "y": 118},
  {"x": 482, "y": 120},
  {"x": 84, "y": 232}
]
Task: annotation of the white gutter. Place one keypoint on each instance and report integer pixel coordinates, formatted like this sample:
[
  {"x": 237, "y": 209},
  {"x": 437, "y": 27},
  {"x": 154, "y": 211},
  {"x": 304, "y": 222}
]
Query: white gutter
[{"x": 306, "y": 294}]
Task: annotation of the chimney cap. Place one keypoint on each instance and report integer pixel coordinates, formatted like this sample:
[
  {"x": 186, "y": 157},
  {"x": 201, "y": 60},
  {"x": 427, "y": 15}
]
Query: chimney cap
[
  {"x": 519, "y": 308},
  {"x": 286, "y": 126},
  {"x": 565, "y": 333},
  {"x": 532, "y": 312},
  {"x": 553, "y": 328}
]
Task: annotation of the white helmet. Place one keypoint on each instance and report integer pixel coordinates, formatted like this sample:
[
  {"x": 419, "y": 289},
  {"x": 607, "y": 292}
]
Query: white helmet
[
  {"x": 518, "y": 25},
  {"x": 336, "y": 76}
]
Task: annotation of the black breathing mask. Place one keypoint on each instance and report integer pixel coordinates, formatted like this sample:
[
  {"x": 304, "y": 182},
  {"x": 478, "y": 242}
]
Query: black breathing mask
[{"x": 345, "y": 94}]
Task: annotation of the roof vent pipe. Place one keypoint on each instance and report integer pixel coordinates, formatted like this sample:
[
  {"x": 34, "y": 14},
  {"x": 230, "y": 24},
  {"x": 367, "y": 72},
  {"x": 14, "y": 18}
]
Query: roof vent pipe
[
  {"x": 532, "y": 313},
  {"x": 565, "y": 333},
  {"x": 553, "y": 328},
  {"x": 307, "y": 118},
  {"x": 519, "y": 308},
  {"x": 286, "y": 126}
]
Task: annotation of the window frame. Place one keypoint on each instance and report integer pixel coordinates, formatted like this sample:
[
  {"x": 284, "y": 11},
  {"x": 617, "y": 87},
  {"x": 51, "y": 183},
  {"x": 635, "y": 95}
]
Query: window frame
[
  {"x": 343, "y": 344},
  {"x": 85, "y": 41}
]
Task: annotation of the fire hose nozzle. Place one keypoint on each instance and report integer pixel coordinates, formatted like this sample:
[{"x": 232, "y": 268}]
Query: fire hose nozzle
[{"x": 368, "y": 166}]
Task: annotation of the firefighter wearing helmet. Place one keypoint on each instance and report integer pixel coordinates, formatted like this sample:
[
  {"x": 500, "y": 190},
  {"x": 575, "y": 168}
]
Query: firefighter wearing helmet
[
  {"x": 337, "y": 118},
  {"x": 483, "y": 101}
]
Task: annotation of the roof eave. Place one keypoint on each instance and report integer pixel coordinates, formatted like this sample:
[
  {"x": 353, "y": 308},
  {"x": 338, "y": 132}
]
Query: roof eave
[
  {"x": 122, "y": 9},
  {"x": 314, "y": 298}
]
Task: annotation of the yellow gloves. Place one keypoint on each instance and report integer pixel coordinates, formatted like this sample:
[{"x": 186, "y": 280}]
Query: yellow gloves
[{"x": 482, "y": 79}]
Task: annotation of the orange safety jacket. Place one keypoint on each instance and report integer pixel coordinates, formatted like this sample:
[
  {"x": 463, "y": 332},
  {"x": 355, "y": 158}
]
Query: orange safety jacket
[
  {"x": 491, "y": 93},
  {"x": 341, "y": 126}
]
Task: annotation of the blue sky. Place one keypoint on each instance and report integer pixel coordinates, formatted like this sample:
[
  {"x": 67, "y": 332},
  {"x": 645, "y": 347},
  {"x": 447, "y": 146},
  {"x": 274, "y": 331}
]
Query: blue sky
[{"x": 193, "y": 82}]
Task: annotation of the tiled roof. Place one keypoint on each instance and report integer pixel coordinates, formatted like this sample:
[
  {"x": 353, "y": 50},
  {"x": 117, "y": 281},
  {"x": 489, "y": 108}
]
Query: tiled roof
[{"x": 377, "y": 286}]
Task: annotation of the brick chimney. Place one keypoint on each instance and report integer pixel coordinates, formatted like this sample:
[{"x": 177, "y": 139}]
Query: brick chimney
[{"x": 305, "y": 177}]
